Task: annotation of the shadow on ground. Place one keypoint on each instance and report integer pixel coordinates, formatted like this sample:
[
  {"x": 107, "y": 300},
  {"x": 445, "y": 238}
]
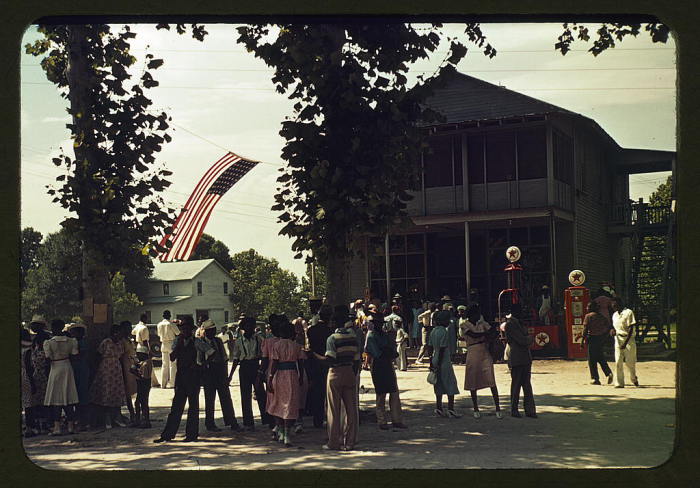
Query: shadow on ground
[{"x": 574, "y": 431}]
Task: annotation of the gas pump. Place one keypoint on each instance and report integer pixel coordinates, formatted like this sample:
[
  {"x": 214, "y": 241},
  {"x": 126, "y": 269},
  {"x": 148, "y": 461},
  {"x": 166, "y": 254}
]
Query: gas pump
[
  {"x": 545, "y": 337},
  {"x": 576, "y": 300}
]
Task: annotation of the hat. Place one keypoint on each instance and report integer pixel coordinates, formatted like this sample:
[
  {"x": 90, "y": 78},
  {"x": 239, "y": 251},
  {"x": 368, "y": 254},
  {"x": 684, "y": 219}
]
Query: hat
[
  {"x": 545, "y": 287},
  {"x": 208, "y": 324},
  {"x": 397, "y": 296},
  {"x": 447, "y": 306},
  {"x": 442, "y": 318},
  {"x": 446, "y": 298},
  {"x": 607, "y": 289},
  {"x": 38, "y": 319},
  {"x": 372, "y": 306},
  {"x": 75, "y": 325},
  {"x": 462, "y": 307}
]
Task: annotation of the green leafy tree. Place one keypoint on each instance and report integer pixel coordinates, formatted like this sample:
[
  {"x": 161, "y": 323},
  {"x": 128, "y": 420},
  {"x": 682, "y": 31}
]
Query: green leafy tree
[
  {"x": 111, "y": 186},
  {"x": 211, "y": 248},
  {"x": 320, "y": 282},
  {"x": 261, "y": 287},
  {"x": 126, "y": 304},
  {"x": 31, "y": 241},
  {"x": 607, "y": 34},
  {"x": 353, "y": 145},
  {"x": 53, "y": 285}
]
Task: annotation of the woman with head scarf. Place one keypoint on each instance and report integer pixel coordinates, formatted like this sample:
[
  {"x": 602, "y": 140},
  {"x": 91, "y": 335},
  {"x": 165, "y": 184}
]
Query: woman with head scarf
[
  {"x": 440, "y": 363},
  {"x": 107, "y": 389}
]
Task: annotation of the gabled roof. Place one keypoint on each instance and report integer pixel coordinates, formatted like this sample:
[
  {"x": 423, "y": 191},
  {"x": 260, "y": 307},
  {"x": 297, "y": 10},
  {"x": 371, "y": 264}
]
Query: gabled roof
[
  {"x": 462, "y": 98},
  {"x": 185, "y": 270}
]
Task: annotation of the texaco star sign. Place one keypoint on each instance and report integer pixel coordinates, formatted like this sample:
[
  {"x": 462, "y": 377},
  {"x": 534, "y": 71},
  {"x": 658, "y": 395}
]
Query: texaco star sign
[
  {"x": 513, "y": 254},
  {"x": 577, "y": 277}
]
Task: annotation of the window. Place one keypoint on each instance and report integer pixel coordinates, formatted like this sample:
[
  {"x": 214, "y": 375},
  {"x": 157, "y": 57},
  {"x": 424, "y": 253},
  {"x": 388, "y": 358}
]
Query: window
[
  {"x": 225, "y": 288},
  {"x": 475, "y": 159},
  {"x": 166, "y": 289},
  {"x": 199, "y": 288},
  {"x": 500, "y": 156},
  {"x": 226, "y": 316},
  {"x": 438, "y": 162},
  {"x": 532, "y": 153}
]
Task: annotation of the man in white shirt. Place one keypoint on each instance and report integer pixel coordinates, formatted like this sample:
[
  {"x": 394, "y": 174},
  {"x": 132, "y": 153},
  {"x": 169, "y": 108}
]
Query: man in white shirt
[
  {"x": 168, "y": 332},
  {"x": 625, "y": 347}
]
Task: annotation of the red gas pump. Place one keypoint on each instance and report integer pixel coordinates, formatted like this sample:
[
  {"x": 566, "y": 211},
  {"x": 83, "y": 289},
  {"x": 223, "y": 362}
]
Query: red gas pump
[{"x": 576, "y": 300}]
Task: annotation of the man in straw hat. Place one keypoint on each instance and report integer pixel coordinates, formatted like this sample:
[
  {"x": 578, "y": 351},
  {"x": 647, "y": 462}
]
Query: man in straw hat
[{"x": 215, "y": 380}]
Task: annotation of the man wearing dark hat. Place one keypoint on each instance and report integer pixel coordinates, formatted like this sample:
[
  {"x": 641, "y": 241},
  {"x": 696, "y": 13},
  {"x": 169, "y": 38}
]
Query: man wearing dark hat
[
  {"x": 187, "y": 384},
  {"x": 215, "y": 380}
]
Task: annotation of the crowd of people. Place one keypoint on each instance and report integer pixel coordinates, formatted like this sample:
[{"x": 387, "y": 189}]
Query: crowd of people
[{"x": 289, "y": 368}]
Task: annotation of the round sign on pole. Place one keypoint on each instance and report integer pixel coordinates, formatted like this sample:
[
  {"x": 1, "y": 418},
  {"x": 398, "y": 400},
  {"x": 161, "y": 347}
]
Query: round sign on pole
[
  {"x": 513, "y": 254},
  {"x": 577, "y": 277}
]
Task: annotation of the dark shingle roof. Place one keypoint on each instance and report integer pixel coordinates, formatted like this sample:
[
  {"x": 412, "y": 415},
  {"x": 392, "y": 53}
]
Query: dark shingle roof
[{"x": 462, "y": 98}]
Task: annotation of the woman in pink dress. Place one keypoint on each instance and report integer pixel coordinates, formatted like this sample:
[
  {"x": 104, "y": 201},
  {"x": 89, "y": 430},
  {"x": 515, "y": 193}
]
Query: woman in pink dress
[
  {"x": 266, "y": 366},
  {"x": 285, "y": 380}
]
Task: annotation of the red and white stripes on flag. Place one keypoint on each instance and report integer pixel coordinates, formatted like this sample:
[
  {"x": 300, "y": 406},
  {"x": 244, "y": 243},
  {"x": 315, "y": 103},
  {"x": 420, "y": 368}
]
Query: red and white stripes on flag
[{"x": 191, "y": 222}]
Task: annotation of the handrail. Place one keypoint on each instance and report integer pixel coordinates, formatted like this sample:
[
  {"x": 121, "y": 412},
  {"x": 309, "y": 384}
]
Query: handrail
[{"x": 639, "y": 214}]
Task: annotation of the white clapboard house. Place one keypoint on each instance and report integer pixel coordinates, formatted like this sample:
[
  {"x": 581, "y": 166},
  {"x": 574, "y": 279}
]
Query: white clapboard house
[{"x": 194, "y": 288}]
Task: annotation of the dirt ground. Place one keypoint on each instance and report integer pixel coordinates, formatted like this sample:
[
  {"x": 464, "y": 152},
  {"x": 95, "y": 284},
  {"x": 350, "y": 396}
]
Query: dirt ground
[{"x": 579, "y": 426}]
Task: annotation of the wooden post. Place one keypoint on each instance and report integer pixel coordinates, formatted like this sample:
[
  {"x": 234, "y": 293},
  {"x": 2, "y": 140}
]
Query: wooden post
[{"x": 388, "y": 268}]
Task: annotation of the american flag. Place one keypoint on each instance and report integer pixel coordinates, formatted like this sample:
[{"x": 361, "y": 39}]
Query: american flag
[{"x": 191, "y": 222}]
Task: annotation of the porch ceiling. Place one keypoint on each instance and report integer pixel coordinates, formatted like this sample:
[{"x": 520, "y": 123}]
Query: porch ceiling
[
  {"x": 490, "y": 216},
  {"x": 635, "y": 161}
]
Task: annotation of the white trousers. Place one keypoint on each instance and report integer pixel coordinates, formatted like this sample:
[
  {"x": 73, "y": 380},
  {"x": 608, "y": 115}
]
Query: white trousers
[
  {"x": 626, "y": 357},
  {"x": 169, "y": 368},
  {"x": 401, "y": 361}
]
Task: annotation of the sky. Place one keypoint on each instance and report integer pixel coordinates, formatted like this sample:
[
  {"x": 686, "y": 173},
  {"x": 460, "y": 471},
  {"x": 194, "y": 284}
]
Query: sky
[{"x": 221, "y": 98}]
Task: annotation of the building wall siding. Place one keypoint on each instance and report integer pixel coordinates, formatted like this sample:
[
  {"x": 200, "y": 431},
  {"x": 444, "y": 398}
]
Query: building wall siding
[
  {"x": 595, "y": 250},
  {"x": 212, "y": 298},
  {"x": 533, "y": 193},
  {"x": 440, "y": 200}
]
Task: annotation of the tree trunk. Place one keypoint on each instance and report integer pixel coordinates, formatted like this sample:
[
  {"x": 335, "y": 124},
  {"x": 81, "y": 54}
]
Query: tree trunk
[
  {"x": 96, "y": 292},
  {"x": 97, "y": 298},
  {"x": 337, "y": 274}
]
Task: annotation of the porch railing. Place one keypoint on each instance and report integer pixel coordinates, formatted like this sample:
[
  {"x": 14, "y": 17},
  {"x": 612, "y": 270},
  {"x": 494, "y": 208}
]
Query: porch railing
[{"x": 639, "y": 213}]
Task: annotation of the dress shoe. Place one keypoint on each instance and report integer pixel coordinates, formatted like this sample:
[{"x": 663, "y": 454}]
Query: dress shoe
[
  {"x": 236, "y": 428},
  {"x": 595, "y": 382},
  {"x": 399, "y": 425},
  {"x": 610, "y": 378},
  {"x": 517, "y": 415},
  {"x": 189, "y": 439},
  {"x": 636, "y": 383},
  {"x": 531, "y": 415},
  {"x": 161, "y": 439}
]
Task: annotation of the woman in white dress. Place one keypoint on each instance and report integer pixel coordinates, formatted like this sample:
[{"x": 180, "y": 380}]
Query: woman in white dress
[
  {"x": 61, "y": 392},
  {"x": 479, "y": 370}
]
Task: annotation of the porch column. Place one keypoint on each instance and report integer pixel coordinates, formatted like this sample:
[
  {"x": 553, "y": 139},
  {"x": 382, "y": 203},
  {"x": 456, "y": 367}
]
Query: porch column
[
  {"x": 467, "y": 263},
  {"x": 553, "y": 253},
  {"x": 388, "y": 268}
]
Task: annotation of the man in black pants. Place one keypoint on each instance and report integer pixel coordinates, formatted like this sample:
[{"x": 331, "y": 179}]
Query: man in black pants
[
  {"x": 520, "y": 363},
  {"x": 187, "y": 383},
  {"x": 596, "y": 330},
  {"x": 215, "y": 380},
  {"x": 247, "y": 352},
  {"x": 317, "y": 371}
]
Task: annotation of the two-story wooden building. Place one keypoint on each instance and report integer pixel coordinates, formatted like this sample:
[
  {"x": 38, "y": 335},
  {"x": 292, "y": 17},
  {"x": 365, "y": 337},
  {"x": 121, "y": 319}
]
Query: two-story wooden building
[
  {"x": 507, "y": 169},
  {"x": 195, "y": 288}
]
